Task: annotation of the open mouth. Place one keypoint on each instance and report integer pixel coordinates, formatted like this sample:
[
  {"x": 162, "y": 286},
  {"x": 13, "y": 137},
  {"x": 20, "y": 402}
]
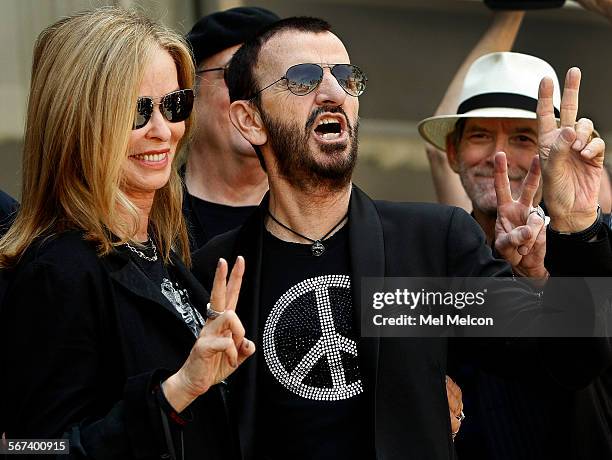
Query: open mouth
[{"x": 330, "y": 128}]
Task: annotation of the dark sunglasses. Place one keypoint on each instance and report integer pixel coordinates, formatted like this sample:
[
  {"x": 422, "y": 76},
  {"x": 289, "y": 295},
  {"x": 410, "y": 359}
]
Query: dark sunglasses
[
  {"x": 174, "y": 107},
  {"x": 304, "y": 78}
]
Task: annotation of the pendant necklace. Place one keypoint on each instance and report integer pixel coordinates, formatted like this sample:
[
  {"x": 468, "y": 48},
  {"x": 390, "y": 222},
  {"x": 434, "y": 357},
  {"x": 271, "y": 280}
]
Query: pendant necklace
[{"x": 317, "y": 247}]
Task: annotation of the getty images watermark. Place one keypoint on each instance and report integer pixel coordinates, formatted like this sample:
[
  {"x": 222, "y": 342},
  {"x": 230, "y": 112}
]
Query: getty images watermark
[
  {"x": 424, "y": 298},
  {"x": 486, "y": 307}
]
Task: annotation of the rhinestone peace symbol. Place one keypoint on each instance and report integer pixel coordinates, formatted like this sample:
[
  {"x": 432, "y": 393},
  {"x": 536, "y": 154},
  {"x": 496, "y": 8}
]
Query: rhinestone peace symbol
[{"x": 309, "y": 356}]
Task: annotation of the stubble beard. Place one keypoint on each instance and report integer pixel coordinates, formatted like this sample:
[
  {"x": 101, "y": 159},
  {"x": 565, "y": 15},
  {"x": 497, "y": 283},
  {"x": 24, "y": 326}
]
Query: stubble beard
[{"x": 482, "y": 195}]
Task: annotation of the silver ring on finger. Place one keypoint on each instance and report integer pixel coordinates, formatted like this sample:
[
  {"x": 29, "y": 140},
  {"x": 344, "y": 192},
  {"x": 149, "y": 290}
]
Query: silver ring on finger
[
  {"x": 539, "y": 211},
  {"x": 460, "y": 417},
  {"x": 211, "y": 313}
]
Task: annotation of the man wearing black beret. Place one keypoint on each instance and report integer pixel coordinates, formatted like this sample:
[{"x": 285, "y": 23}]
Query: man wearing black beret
[{"x": 223, "y": 177}]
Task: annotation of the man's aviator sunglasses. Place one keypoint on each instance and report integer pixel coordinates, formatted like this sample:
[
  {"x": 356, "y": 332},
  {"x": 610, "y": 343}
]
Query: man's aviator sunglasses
[
  {"x": 304, "y": 78},
  {"x": 174, "y": 107}
]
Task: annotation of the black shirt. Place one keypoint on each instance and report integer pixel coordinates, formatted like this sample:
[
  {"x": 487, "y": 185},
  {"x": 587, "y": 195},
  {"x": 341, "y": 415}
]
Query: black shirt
[
  {"x": 206, "y": 220},
  {"x": 311, "y": 400}
]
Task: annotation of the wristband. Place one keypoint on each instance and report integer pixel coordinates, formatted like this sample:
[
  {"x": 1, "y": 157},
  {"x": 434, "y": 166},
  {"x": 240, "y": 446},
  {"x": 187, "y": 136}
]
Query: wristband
[{"x": 585, "y": 235}]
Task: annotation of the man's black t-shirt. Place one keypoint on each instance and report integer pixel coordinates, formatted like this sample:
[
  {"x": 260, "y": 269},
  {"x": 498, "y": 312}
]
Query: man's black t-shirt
[
  {"x": 205, "y": 219},
  {"x": 311, "y": 400}
]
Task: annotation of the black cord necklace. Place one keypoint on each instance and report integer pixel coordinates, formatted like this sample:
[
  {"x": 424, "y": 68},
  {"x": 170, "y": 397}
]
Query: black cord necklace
[{"x": 317, "y": 247}]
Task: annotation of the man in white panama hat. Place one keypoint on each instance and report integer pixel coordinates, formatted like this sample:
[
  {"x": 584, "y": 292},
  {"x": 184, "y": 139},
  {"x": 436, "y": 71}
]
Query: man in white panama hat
[{"x": 497, "y": 112}]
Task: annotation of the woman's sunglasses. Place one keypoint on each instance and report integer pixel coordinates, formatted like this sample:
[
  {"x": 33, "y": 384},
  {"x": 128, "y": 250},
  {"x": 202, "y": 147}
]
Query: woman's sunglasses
[
  {"x": 304, "y": 78},
  {"x": 174, "y": 107}
]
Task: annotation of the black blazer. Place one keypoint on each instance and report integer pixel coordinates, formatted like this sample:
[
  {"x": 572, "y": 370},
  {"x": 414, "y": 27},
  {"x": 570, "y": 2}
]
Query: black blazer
[
  {"x": 85, "y": 339},
  {"x": 406, "y": 377}
]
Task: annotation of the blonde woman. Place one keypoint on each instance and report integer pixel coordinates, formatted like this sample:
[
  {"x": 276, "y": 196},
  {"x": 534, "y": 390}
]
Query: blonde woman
[{"x": 103, "y": 328}]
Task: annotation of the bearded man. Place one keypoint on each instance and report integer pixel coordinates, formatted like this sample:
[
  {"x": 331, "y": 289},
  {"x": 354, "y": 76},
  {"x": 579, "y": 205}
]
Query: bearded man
[{"x": 318, "y": 389}]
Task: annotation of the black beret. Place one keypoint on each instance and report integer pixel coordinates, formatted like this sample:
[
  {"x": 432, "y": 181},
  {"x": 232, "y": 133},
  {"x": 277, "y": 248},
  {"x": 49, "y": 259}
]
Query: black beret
[{"x": 224, "y": 29}]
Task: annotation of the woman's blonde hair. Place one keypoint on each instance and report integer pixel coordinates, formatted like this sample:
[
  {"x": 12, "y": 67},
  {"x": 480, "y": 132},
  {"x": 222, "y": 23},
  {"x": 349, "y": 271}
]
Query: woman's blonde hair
[{"x": 86, "y": 73}]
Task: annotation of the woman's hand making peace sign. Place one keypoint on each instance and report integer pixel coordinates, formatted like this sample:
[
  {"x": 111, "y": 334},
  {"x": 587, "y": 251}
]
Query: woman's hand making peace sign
[{"x": 221, "y": 346}]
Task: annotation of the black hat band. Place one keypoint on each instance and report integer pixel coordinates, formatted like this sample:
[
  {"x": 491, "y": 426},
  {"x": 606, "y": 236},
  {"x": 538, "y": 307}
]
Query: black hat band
[{"x": 508, "y": 100}]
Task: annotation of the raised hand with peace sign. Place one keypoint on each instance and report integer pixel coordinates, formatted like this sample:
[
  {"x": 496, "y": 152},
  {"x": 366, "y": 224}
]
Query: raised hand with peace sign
[
  {"x": 520, "y": 235},
  {"x": 221, "y": 346},
  {"x": 571, "y": 160}
]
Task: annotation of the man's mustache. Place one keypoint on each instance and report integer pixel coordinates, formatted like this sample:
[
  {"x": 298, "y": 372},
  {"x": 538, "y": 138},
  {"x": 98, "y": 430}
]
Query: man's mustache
[{"x": 514, "y": 173}]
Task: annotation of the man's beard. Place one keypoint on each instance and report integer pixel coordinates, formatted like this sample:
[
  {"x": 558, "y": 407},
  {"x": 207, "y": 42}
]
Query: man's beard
[
  {"x": 482, "y": 195},
  {"x": 299, "y": 166}
]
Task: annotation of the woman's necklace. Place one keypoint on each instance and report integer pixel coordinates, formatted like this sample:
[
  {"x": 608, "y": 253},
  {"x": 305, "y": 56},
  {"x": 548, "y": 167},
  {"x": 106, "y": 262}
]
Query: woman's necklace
[{"x": 141, "y": 254}]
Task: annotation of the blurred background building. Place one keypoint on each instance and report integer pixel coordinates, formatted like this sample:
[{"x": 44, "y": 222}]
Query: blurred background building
[{"x": 409, "y": 49}]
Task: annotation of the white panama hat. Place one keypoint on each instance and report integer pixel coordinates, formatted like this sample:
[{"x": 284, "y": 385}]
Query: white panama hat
[{"x": 497, "y": 85}]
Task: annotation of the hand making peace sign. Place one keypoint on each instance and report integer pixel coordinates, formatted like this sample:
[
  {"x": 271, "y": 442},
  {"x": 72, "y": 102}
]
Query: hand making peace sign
[
  {"x": 520, "y": 234},
  {"x": 571, "y": 160},
  {"x": 221, "y": 346}
]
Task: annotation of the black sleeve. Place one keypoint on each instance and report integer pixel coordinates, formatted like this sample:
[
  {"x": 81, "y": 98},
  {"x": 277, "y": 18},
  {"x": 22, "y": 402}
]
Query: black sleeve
[
  {"x": 468, "y": 253},
  {"x": 576, "y": 361},
  {"x": 572, "y": 363},
  {"x": 469, "y": 256},
  {"x": 516, "y": 304},
  {"x": 126, "y": 430},
  {"x": 59, "y": 374},
  {"x": 567, "y": 257}
]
